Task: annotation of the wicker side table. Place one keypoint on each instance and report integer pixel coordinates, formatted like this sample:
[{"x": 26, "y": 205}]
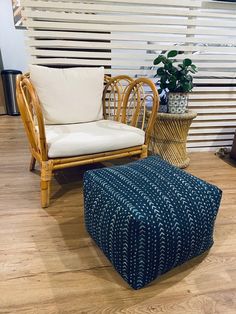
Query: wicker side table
[{"x": 170, "y": 136}]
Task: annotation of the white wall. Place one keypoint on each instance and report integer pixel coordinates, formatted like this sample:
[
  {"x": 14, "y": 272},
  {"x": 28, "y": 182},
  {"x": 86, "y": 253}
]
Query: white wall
[{"x": 12, "y": 41}]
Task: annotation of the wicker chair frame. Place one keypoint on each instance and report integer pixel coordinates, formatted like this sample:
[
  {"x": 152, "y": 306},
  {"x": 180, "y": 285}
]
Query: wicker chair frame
[{"x": 124, "y": 100}]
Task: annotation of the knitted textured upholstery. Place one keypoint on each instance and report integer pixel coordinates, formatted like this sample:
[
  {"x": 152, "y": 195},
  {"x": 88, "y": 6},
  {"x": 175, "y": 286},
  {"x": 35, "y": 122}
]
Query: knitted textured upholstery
[{"x": 148, "y": 217}]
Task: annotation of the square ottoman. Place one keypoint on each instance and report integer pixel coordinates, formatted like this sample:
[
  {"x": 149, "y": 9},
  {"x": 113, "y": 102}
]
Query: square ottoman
[{"x": 148, "y": 217}]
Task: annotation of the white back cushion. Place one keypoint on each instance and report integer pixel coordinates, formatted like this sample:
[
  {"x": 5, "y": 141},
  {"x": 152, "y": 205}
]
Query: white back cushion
[{"x": 71, "y": 95}]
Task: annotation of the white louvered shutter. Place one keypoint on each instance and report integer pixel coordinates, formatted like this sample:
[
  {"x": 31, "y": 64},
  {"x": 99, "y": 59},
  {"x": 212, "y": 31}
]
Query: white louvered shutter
[{"x": 126, "y": 35}]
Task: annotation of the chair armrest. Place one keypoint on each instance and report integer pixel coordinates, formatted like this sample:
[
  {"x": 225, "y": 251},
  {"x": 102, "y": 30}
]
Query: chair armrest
[
  {"x": 113, "y": 96},
  {"x": 32, "y": 116},
  {"x": 125, "y": 100},
  {"x": 140, "y": 106}
]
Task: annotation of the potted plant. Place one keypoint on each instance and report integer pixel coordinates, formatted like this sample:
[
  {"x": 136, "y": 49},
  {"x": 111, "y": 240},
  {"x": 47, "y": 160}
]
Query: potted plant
[{"x": 175, "y": 80}]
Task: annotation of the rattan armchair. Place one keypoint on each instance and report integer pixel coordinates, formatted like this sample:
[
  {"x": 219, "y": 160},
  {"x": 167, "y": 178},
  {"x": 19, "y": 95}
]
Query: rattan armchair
[{"x": 124, "y": 100}]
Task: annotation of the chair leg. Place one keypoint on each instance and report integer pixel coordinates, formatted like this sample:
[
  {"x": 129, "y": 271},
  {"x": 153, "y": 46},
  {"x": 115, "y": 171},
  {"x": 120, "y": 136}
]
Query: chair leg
[
  {"x": 32, "y": 163},
  {"x": 144, "y": 153},
  {"x": 46, "y": 175}
]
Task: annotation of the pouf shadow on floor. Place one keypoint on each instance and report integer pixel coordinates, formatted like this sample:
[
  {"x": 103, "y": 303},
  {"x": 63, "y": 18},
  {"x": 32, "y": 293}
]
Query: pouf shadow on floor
[{"x": 170, "y": 278}]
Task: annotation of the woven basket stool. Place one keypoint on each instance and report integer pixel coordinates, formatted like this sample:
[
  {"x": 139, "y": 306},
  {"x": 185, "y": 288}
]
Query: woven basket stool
[{"x": 169, "y": 137}]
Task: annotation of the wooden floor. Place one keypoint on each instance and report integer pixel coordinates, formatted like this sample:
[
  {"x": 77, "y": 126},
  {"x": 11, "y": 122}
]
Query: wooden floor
[{"x": 48, "y": 263}]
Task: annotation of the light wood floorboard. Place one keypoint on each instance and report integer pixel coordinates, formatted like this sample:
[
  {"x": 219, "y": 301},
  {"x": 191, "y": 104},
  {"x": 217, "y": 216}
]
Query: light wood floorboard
[{"x": 49, "y": 264}]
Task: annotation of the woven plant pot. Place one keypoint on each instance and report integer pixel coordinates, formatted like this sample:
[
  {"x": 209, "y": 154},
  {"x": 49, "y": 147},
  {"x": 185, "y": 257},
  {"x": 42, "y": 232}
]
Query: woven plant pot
[
  {"x": 169, "y": 137},
  {"x": 177, "y": 103}
]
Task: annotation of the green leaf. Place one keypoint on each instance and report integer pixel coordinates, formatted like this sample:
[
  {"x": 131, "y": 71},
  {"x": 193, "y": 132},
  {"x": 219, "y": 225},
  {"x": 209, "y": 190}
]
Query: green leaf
[
  {"x": 161, "y": 71},
  {"x": 194, "y": 68},
  {"x": 188, "y": 78},
  {"x": 163, "y": 86},
  {"x": 187, "y": 62},
  {"x": 172, "y": 86},
  {"x": 159, "y": 59},
  {"x": 164, "y": 78},
  {"x": 173, "y": 70},
  {"x": 173, "y": 78},
  {"x": 178, "y": 74},
  {"x": 168, "y": 66},
  {"x": 165, "y": 60},
  {"x": 187, "y": 87},
  {"x": 169, "y": 62},
  {"x": 192, "y": 71},
  {"x": 172, "y": 54}
]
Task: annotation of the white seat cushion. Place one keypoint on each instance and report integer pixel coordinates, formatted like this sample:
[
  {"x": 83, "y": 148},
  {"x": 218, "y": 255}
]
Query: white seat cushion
[
  {"x": 89, "y": 138},
  {"x": 69, "y": 95}
]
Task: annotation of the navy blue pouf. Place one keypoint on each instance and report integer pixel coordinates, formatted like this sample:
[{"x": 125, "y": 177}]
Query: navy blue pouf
[{"x": 148, "y": 217}]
